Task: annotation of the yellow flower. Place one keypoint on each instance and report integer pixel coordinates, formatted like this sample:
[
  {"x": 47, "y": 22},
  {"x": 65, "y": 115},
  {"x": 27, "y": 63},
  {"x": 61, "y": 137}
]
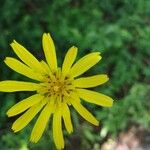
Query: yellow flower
[{"x": 56, "y": 89}]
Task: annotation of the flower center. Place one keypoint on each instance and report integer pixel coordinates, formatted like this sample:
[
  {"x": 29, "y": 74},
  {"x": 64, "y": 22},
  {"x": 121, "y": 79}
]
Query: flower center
[
  {"x": 57, "y": 85},
  {"x": 56, "y": 88}
]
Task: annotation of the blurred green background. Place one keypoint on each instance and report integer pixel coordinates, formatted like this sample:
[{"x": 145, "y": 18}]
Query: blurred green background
[{"x": 119, "y": 29}]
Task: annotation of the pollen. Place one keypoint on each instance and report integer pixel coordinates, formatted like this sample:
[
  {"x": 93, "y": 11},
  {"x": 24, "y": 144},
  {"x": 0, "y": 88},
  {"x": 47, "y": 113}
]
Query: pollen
[
  {"x": 56, "y": 84},
  {"x": 57, "y": 88}
]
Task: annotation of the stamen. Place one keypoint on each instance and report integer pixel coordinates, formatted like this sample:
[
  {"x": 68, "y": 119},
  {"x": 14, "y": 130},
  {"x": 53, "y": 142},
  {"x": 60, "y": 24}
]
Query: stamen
[
  {"x": 57, "y": 85},
  {"x": 56, "y": 88}
]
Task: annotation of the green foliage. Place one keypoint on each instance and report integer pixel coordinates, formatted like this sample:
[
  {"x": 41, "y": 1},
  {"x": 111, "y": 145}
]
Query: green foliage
[
  {"x": 120, "y": 30},
  {"x": 133, "y": 108}
]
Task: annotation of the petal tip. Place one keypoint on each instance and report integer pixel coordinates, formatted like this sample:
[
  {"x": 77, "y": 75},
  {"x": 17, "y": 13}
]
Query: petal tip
[
  {"x": 96, "y": 123},
  {"x": 110, "y": 103},
  {"x": 12, "y": 44},
  {"x": 70, "y": 131},
  {"x": 14, "y": 130},
  {"x": 74, "y": 47},
  {"x": 44, "y": 34},
  {"x": 100, "y": 57},
  {"x": 33, "y": 140},
  {"x": 5, "y": 60},
  {"x": 107, "y": 78},
  {"x": 8, "y": 113}
]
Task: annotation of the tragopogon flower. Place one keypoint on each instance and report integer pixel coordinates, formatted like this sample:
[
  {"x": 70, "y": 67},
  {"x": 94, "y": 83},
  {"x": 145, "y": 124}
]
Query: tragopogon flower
[{"x": 56, "y": 89}]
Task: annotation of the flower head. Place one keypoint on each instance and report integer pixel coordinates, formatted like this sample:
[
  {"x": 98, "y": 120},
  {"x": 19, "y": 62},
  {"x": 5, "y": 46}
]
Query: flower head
[{"x": 56, "y": 89}]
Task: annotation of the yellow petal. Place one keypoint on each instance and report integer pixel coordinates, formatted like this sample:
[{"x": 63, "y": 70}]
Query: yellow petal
[
  {"x": 41, "y": 122},
  {"x": 83, "y": 111},
  {"x": 92, "y": 81},
  {"x": 22, "y": 68},
  {"x": 24, "y": 104},
  {"x": 49, "y": 51},
  {"x": 85, "y": 63},
  {"x": 48, "y": 70},
  {"x": 21, "y": 122},
  {"x": 14, "y": 86},
  {"x": 67, "y": 118},
  {"x": 57, "y": 129},
  {"x": 45, "y": 66},
  {"x": 27, "y": 57},
  {"x": 95, "y": 97},
  {"x": 69, "y": 60}
]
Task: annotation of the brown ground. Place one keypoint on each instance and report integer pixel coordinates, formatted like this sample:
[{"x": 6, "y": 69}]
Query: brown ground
[{"x": 136, "y": 138}]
